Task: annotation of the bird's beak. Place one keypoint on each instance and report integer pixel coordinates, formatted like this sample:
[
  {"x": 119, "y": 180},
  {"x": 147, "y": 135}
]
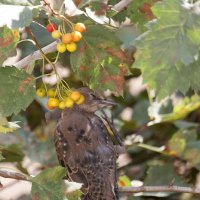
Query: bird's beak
[{"x": 107, "y": 102}]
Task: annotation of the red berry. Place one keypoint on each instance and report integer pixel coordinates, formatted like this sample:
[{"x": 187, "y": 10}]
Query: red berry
[{"x": 51, "y": 27}]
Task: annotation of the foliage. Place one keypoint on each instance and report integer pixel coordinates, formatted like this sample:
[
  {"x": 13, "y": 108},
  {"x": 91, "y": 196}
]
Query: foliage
[
  {"x": 154, "y": 41},
  {"x": 49, "y": 184}
]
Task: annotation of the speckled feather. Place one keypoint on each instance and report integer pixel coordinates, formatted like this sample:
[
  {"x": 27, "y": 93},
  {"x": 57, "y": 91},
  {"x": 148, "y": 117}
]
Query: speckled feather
[{"x": 86, "y": 149}]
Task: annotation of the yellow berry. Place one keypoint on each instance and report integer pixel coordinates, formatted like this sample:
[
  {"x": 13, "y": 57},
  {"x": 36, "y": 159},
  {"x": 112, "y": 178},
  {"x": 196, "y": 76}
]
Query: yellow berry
[
  {"x": 61, "y": 105},
  {"x": 69, "y": 103},
  {"x": 51, "y": 92},
  {"x": 52, "y": 103},
  {"x": 67, "y": 38},
  {"x": 81, "y": 100},
  {"x": 40, "y": 92},
  {"x": 75, "y": 95},
  {"x": 61, "y": 47},
  {"x": 71, "y": 47},
  {"x": 56, "y": 34}
]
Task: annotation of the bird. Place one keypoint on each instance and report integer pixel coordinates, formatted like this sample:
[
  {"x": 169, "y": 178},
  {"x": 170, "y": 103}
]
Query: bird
[{"x": 85, "y": 147}]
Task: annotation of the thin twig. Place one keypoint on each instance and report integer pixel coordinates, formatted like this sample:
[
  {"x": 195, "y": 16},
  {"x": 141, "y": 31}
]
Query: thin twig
[
  {"x": 131, "y": 190},
  {"x": 121, "y": 5},
  {"x": 125, "y": 190},
  {"x": 23, "y": 63},
  {"x": 13, "y": 175}
]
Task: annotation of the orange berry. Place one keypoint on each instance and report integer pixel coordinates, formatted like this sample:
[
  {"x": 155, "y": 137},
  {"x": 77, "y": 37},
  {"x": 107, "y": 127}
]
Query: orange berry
[
  {"x": 61, "y": 47},
  {"x": 75, "y": 95},
  {"x": 51, "y": 92},
  {"x": 61, "y": 105},
  {"x": 71, "y": 47},
  {"x": 41, "y": 92},
  {"x": 56, "y": 34},
  {"x": 76, "y": 36},
  {"x": 80, "y": 100},
  {"x": 67, "y": 38},
  {"x": 52, "y": 103},
  {"x": 69, "y": 102},
  {"x": 80, "y": 27},
  {"x": 50, "y": 107}
]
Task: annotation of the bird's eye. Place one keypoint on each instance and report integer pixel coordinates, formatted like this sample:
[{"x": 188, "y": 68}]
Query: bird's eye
[{"x": 92, "y": 95}]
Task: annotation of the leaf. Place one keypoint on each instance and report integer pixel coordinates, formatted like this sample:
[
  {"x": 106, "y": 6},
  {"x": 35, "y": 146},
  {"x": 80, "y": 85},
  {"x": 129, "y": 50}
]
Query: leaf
[
  {"x": 17, "y": 16},
  {"x": 97, "y": 60},
  {"x": 73, "y": 190},
  {"x": 162, "y": 174},
  {"x": 16, "y": 89},
  {"x": 140, "y": 12},
  {"x": 124, "y": 181},
  {"x": 1, "y": 156},
  {"x": 184, "y": 144},
  {"x": 12, "y": 153},
  {"x": 180, "y": 110},
  {"x": 166, "y": 52},
  {"x": 49, "y": 184},
  {"x": 7, "y": 44},
  {"x": 9, "y": 127}
]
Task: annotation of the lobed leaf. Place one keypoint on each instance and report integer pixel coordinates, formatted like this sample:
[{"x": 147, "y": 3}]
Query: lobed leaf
[
  {"x": 166, "y": 51},
  {"x": 49, "y": 184},
  {"x": 16, "y": 90}
]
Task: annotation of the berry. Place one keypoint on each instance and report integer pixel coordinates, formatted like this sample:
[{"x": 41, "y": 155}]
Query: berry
[
  {"x": 50, "y": 107},
  {"x": 82, "y": 68},
  {"x": 51, "y": 92},
  {"x": 51, "y": 27},
  {"x": 80, "y": 100},
  {"x": 69, "y": 103},
  {"x": 75, "y": 96},
  {"x": 76, "y": 36},
  {"x": 56, "y": 34},
  {"x": 61, "y": 105},
  {"x": 52, "y": 103},
  {"x": 40, "y": 92},
  {"x": 71, "y": 47},
  {"x": 61, "y": 47},
  {"x": 67, "y": 38},
  {"x": 80, "y": 27}
]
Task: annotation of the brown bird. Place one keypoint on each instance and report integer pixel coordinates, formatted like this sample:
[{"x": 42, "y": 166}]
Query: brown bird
[{"x": 84, "y": 146}]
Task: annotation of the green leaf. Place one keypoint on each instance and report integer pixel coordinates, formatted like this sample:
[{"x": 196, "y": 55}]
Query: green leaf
[
  {"x": 162, "y": 174},
  {"x": 124, "y": 181},
  {"x": 49, "y": 184},
  {"x": 140, "y": 12},
  {"x": 1, "y": 156},
  {"x": 166, "y": 51},
  {"x": 180, "y": 110},
  {"x": 184, "y": 144},
  {"x": 98, "y": 58},
  {"x": 73, "y": 191},
  {"x": 12, "y": 153},
  {"x": 7, "y": 44},
  {"x": 21, "y": 2},
  {"x": 17, "y": 16},
  {"x": 9, "y": 127},
  {"x": 17, "y": 90}
]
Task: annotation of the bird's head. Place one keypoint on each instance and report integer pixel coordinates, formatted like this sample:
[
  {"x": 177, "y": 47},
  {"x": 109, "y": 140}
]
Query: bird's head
[{"x": 93, "y": 101}]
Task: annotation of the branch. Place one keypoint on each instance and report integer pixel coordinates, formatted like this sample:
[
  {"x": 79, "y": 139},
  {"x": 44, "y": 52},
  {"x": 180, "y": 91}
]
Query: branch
[
  {"x": 13, "y": 175},
  {"x": 121, "y": 5},
  {"x": 130, "y": 190},
  {"x": 125, "y": 190},
  {"x": 36, "y": 55}
]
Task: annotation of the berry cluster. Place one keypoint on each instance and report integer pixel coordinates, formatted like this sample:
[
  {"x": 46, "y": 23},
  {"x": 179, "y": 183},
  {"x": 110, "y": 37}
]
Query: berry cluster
[
  {"x": 68, "y": 40},
  {"x": 71, "y": 98}
]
